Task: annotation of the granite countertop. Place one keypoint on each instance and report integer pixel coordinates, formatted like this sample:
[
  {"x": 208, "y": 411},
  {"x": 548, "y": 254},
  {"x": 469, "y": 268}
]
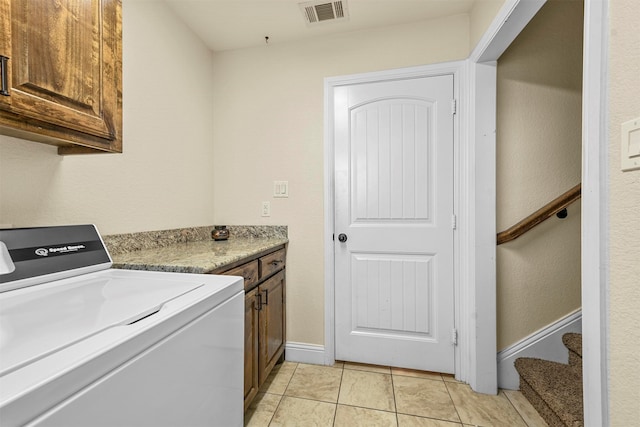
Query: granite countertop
[{"x": 187, "y": 252}]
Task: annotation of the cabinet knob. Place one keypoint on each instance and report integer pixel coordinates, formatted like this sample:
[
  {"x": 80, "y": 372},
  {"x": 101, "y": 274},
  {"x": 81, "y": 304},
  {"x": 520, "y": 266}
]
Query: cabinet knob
[{"x": 342, "y": 237}]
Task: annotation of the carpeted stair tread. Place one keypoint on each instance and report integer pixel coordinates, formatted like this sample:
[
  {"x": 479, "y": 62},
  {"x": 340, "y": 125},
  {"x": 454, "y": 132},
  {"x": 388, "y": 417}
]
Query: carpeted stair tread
[
  {"x": 573, "y": 342},
  {"x": 554, "y": 389}
]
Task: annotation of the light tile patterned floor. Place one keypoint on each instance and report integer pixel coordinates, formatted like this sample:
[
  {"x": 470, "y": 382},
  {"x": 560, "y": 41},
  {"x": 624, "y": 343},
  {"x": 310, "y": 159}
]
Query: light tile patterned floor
[{"x": 353, "y": 395}]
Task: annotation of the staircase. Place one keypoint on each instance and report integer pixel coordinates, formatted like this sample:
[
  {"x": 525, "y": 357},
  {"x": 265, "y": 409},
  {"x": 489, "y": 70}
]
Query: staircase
[{"x": 555, "y": 389}]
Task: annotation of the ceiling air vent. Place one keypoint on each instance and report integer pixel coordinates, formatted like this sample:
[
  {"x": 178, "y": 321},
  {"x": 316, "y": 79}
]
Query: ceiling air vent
[{"x": 318, "y": 12}]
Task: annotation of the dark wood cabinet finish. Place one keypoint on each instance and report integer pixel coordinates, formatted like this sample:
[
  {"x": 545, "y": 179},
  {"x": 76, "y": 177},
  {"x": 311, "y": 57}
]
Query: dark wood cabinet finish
[
  {"x": 271, "y": 263},
  {"x": 271, "y": 324},
  {"x": 251, "y": 384},
  {"x": 265, "y": 320},
  {"x": 63, "y": 73},
  {"x": 249, "y": 271}
]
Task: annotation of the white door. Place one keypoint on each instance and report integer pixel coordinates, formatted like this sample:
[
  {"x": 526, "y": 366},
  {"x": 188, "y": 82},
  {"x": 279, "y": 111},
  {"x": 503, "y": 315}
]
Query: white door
[{"x": 394, "y": 204}]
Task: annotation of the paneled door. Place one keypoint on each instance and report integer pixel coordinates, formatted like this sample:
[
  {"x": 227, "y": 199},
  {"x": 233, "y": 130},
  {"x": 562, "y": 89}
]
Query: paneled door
[{"x": 394, "y": 293}]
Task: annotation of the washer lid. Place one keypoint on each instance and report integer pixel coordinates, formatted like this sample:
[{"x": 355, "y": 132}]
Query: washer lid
[{"x": 40, "y": 320}]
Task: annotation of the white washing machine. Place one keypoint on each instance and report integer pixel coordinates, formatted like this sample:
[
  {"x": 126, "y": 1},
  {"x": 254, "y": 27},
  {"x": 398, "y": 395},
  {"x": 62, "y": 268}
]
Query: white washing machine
[{"x": 85, "y": 345}]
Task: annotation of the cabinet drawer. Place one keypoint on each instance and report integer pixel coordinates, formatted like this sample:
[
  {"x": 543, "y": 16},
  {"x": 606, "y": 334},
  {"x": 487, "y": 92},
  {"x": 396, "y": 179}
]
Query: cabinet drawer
[
  {"x": 249, "y": 271},
  {"x": 271, "y": 263}
]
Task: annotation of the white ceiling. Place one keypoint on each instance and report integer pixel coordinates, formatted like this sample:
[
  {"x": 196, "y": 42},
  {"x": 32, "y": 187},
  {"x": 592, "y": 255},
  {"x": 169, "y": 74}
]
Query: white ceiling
[{"x": 237, "y": 24}]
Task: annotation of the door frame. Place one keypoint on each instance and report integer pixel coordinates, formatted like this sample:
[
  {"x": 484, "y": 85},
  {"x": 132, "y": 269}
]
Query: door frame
[
  {"x": 474, "y": 177},
  {"x": 475, "y": 361},
  {"x": 595, "y": 214},
  {"x": 458, "y": 70},
  {"x": 508, "y": 23}
]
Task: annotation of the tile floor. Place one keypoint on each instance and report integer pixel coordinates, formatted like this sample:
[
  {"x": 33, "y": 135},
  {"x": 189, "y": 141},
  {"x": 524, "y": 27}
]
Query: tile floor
[{"x": 352, "y": 395}]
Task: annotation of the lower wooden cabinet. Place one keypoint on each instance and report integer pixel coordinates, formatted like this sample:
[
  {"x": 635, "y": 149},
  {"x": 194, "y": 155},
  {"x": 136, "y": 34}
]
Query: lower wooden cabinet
[
  {"x": 265, "y": 306},
  {"x": 271, "y": 324},
  {"x": 251, "y": 384}
]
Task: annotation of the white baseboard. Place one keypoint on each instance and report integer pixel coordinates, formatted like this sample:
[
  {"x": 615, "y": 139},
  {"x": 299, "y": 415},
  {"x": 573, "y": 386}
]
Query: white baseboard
[
  {"x": 544, "y": 344},
  {"x": 304, "y": 353}
]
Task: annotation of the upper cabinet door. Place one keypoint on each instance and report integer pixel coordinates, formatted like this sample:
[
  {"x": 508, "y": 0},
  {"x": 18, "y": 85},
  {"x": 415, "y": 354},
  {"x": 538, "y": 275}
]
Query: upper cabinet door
[
  {"x": 64, "y": 71},
  {"x": 5, "y": 53}
]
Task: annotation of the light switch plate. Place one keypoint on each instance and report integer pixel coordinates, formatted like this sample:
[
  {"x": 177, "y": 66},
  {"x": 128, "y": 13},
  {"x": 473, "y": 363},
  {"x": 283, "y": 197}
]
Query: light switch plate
[
  {"x": 281, "y": 189},
  {"x": 630, "y": 145}
]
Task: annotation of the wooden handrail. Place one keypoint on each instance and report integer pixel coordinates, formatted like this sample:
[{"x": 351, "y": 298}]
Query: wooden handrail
[{"x": 546, "y": 212}]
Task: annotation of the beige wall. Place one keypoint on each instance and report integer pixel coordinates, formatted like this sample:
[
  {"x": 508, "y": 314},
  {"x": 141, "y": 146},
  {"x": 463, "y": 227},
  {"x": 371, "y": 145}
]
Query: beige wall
[
  {"x": 163, "y": 178},
  {"x": 269, "y": 126},
  {"x": 539, "y": 158},
  {"x": 624, "y": 194},
  {"x": 184, "y": 148},
  {"x": 480, "y": 17}
]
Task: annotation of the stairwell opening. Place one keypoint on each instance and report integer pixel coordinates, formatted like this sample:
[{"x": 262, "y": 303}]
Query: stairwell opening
[{"x": 538, "y": 149}]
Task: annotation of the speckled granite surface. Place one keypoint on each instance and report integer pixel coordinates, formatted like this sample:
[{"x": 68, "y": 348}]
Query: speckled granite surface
[
  {"x": 121, "y": 243},
  {"x": 191, "y": 250},
  {"x": 258, "y": 231}
]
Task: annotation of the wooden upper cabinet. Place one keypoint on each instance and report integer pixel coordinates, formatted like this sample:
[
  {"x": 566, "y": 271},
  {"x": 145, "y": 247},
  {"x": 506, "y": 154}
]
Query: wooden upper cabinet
[{"x": 63, "y": 72}]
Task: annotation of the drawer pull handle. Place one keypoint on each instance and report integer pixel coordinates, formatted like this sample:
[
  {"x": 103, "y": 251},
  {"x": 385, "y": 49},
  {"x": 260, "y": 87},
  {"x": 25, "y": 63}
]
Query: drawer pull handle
[
  {"x": 248, "y": 279},
  {"x": 275, "y": 262},
  {"x": 4, "y": 78},
  {"x": 259, "y": 306},
  {"x": 266, "y": 297}
]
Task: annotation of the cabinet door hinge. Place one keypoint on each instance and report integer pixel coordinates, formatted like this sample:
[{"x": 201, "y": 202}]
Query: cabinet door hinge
[
  {"x": 454, "y": 221},
  {"x": 454, "y": 337},
  {"x": 454, "y": 106}
]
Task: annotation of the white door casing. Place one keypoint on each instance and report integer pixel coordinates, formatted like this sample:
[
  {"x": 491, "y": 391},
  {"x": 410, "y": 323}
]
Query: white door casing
[
  {"x": 475, "y": 184},
  {"x": 394, "y": 200}
]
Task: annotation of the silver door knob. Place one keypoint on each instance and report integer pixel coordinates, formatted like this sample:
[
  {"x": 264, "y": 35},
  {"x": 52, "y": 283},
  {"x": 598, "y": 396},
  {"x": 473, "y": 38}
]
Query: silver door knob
[{"x": 342, "y": 237}]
